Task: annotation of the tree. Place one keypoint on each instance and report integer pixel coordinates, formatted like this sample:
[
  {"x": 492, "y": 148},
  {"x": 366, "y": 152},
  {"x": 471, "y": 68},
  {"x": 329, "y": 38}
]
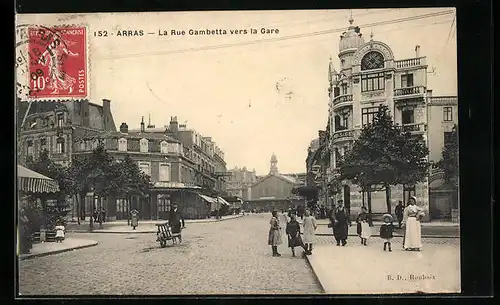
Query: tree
[
  {"x": 449, "y": 158},
  {"x": 384, "y": 155},
  {"x": 45, "y": 166}
]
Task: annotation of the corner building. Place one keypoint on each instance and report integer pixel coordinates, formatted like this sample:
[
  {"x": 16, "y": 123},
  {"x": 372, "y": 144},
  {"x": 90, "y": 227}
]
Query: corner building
[{"x": 370, "y": 76}]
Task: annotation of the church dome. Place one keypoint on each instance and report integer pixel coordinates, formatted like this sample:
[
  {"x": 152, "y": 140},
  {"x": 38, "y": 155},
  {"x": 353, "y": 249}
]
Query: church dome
[{"x": 352, "y": 38}]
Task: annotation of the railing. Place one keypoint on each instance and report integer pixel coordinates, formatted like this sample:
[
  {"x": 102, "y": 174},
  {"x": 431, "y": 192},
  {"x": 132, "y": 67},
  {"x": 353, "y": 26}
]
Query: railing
[
  {"x": 409, "y": 91},
  {"x": 342, "y": 98},
  {"x": 414, "y": 127},
  {"x": 343, "y": 134},
  {"x": 411, "y": 62}
]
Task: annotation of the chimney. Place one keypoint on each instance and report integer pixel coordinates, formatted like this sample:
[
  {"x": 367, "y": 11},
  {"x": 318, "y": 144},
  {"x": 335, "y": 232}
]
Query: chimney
[
  {"x": 417, "y": 51},
  {"x": 124, "y": 128},
  {"x": 106, "y": 106},
  {"x": 142, "y": 125},
  {"x": 85, "y": 113},
  {"x": 174, "y": 125}
]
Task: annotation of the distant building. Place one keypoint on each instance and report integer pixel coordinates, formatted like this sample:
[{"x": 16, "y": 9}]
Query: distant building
[
  {"x": 239, "y": 182},
  {"x": 273, "y": 190}
]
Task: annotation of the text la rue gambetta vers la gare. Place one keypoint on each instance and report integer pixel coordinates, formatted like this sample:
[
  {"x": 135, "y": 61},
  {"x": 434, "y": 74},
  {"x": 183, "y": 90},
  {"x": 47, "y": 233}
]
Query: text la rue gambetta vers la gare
[{"x": 184, "y": 32}]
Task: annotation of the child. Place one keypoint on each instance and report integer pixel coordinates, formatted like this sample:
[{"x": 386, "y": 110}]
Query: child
[
  {"x": 387, "y": 230},
  {"x": 59, "y": 233},
  {"x": 309, "y": 235},
  {"x": 293, "y": 232},
  {"x": 363, "y": 228}
]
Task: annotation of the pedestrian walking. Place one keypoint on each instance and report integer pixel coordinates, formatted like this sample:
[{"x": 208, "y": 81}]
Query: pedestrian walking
[
  {"x": 175, "y": 219},
  {"x": 309, "y": 227},
  {"x": 25, "y": 242},
  {"x": 399, "y": 212},
  {"x": 387, "y": 231},
  {"x": 341, "y": 224},
  {"x": 362, "y": 227},
  {"x": 293, "y": 233},
  {"x": 412, "y": 215},
  {"x": 274, "y": 238}
]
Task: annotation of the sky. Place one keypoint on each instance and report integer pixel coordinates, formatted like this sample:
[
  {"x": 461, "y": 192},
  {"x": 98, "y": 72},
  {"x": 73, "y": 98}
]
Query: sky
[{"x": 237, "y": 94}]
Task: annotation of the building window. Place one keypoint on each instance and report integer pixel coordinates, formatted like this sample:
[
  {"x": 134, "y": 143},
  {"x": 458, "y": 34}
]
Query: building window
[
  {"x": 163, "y": 203},
  {"x": 164, "y": 147},
  {"x": 447, "y": 114},
  {"x": 407, "y": 117},
  {"x": 43, "y": 144},
  {"x": 60, "y": 120},
  {"x": 448, "y": 137},
  {"x": 121, "y": 205},
  {"x": 372, "y": 82},
  {"x": 60, "y": 146},
  {"x": 372, "y": 60},
  {"x": 144, "y": 145},
  {"x": 122, "y": 144},
  {"x": 145, "y": 168},
  {"x": 29, "y": 149},
  {"x": 164, "y": 174},
  {"x": 344, "y": 89},
  {"x": 368, "y": 114},
  {"x": 406, "y": 80}
]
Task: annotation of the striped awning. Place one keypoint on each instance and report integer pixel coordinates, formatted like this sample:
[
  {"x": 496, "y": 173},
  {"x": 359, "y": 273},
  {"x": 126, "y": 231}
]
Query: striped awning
[
  {"x": 31, "y": 181},
  {"x": 208, "y": 199},
  {"x": 223, "y": 201}
]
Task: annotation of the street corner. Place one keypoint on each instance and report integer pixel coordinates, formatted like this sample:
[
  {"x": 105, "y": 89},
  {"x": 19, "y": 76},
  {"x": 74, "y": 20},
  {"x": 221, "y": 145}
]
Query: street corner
[
  {"x": 51, "y": 248},
  {"x": 356, "y": 269}
]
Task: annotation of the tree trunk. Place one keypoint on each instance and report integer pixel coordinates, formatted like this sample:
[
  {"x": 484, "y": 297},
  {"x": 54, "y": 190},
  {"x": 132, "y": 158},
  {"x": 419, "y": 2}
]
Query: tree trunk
[
  {"x": 78, "y": 210},
  {"x": 127, "y": 210},
  {"x": 388, "y": 198},
  {"x": 91, "y": 222},
  {"x": 369, "y": 200}
]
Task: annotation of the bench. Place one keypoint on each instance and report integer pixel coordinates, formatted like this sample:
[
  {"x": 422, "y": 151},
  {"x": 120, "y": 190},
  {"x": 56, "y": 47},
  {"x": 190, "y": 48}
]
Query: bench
[
  {"x": 50, "y": 236},
  {"x": 164, "y": 233}
]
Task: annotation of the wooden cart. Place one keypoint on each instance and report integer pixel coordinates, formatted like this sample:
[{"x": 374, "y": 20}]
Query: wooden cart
[{"x": 164, "y": 234}]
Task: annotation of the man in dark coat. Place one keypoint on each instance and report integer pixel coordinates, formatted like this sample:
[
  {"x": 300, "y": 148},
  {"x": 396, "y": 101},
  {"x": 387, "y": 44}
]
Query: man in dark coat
[
  {"x": 175, "y": 219},
  {"x": 399, "y": 212},
  {"x": 342, "y": 222}
]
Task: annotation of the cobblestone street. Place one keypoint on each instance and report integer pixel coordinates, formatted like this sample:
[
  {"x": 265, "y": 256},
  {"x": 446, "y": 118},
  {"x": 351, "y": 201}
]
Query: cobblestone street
[{"x": 228, "y": 257}]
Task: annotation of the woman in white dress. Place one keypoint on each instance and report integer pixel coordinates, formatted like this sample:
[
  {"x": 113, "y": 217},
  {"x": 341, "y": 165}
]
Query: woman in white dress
[
  {"x": 412, "y": 215},
  {"x": 309, "y": 235}
]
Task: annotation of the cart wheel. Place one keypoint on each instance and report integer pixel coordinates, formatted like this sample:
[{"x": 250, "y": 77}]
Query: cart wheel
[{"x": 163, "y": 243}]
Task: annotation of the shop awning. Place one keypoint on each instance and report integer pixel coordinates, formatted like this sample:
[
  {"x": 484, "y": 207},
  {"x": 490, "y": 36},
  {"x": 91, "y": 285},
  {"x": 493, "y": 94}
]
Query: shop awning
[
  {"x": 31, "y": 181},
  {"x": 221, "y": 200},
  {"x": 208, "y": 199}
]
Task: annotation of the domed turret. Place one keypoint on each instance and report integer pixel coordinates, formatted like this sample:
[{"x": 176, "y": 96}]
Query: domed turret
[{"x": 352, "y": 38}]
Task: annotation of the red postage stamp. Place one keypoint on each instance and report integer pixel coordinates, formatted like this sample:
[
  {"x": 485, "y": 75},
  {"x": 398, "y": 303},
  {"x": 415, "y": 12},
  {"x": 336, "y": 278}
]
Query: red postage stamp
[{"x": 58, "y": 62}]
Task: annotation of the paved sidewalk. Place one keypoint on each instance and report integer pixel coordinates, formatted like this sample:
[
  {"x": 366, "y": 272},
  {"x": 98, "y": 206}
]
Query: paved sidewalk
[
  {"x": 356, "y": 269},
  {"x": 145, "y": 226},
  {"x": 48, "y": 248}
]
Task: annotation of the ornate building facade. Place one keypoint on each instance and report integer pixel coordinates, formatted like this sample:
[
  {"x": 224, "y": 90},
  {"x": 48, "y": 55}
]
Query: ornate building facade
[
  {"x": 239, "y": 182},
  {"x": 370, "y": 76}
]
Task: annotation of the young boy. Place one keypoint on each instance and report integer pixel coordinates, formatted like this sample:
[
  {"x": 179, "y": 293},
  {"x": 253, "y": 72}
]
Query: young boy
[
  {"x": 59, "y": 233},
  {"x": 387, "y": 231}
]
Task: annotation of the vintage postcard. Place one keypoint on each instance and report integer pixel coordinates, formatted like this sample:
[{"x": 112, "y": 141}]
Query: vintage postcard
[{"x": 242, "y": 152}]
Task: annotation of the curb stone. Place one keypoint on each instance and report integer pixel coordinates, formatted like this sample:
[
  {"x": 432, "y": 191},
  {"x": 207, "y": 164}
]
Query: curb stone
[
  {"x": 111, "y": 231},
  {"x": 35, "y": 255},
  {"x": 395, "y": 235},
  {"x": 323, "y": 290}
]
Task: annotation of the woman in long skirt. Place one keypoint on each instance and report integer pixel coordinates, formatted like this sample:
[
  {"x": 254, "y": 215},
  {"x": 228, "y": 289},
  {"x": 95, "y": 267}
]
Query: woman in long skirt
[
  {"x": 309, "y": 228},
  {"x": 411, "y": 220},
  {"x": 363, "y": 228},
  {"x": 293, "y": 233},
  {"x": 274, "y": 238}
]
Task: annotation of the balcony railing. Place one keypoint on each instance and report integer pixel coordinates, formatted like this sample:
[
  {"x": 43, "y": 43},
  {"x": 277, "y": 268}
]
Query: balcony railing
[
  {"x": 411, "y": 62},
  {"x": 343, "y": 134},
  {"x": 414, "y": 127},
  {"x": 409, "y": 91},
  {"x": 342, "y": 98}
]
